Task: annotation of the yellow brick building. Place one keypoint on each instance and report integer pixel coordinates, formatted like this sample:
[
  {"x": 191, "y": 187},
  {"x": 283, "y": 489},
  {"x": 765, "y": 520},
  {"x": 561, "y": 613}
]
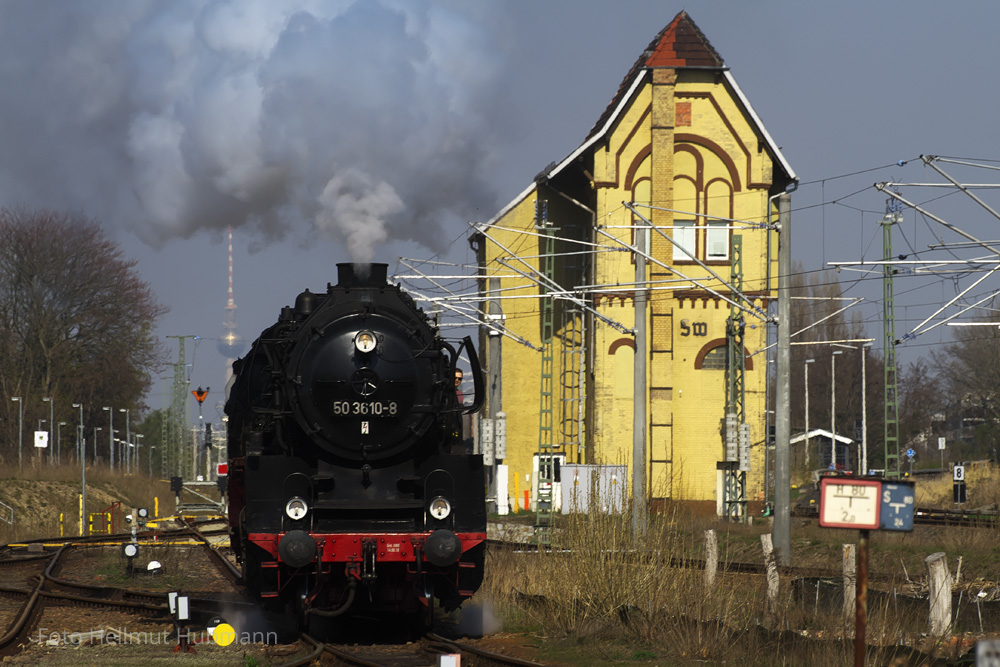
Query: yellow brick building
[{"x": 681, "y": 142}]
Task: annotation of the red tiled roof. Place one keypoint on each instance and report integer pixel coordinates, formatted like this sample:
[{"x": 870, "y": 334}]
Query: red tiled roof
[{"x": 681, "y": 44}]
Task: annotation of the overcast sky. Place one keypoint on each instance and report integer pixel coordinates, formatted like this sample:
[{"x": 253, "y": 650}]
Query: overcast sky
[{"x": 329, "y": 131}]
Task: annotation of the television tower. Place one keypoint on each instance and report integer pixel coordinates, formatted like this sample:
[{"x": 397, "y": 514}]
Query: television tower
[{"x": 230, "y": 342}]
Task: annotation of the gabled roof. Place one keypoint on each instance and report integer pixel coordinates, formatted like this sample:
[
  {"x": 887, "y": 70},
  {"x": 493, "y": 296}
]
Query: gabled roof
[
  {"x": 680, "y": 45},
  {"x": 820, "y": 433}
]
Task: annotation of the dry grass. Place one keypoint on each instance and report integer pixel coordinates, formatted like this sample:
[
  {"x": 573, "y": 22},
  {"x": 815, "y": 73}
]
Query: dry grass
[
  {"x": 609, "y": 598},
  {"x": 38, "y": 495}
]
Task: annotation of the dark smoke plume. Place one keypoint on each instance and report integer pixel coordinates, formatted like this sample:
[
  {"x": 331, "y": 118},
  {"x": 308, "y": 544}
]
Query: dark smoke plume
[{"x": 362, "y": 121}]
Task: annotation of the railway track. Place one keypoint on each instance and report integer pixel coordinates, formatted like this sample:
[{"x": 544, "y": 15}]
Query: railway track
[
  {"x": 423, "y": 653},
  {"x": 228, "y": 569},
  {"x": 31, "y": 584}
]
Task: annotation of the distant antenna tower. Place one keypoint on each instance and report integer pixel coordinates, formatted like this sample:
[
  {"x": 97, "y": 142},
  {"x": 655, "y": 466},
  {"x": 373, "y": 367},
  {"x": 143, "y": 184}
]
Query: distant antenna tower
[{"x": 230, "y": 342}]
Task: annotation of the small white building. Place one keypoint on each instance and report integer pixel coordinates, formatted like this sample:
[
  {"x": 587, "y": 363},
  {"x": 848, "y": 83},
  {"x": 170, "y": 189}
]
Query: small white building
[{"x": 819, "y": 451}]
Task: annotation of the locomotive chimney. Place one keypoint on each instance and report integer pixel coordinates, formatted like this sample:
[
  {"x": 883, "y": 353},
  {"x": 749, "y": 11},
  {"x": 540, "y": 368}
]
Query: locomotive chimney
[{"x": 362, "y": 275}]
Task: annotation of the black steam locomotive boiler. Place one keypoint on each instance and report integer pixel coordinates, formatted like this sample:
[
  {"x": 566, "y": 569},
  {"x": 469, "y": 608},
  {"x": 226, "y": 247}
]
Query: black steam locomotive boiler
[{"x": 350, "y": 490}]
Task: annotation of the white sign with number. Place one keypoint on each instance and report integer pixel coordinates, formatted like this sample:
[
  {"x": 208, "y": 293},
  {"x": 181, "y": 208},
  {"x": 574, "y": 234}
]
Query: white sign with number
[
  {"x": 940, "y": 443},
  {"x": 959, "y": 473},
  {"x": 850, "y": 503}
]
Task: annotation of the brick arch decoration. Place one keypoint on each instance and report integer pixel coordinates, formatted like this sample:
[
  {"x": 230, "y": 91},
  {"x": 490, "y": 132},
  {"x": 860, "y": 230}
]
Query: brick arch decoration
[
  {"x": 711, "y": 345},
  {"x": 621, "y": 342},
  {"x": 715, "y": 148},
  {"x": 633, "y": 168}
]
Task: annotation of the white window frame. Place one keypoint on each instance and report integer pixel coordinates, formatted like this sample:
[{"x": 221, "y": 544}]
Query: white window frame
[
  {"x": 715, "y": 235},
  {"x": 685, "y": 233}
]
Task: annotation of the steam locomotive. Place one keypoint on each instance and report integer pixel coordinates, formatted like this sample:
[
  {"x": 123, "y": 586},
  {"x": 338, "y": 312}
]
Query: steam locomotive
[{"x": 350, "y": 491}]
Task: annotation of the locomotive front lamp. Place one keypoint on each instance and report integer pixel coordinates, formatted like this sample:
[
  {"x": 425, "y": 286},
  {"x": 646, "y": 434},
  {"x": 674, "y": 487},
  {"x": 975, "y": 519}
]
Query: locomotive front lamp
[
  {"x": 365, "y": 342},
  {"x": 439, "y": 508},
  {"x": 296, "y": 508}
]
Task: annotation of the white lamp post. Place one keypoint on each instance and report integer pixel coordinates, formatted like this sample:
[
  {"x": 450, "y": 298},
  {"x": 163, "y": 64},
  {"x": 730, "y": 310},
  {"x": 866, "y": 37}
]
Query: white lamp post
[
  {"x": 79, "y": 433},
  {"x": 20, "y": 432},
  {"x": 808, "y": 361},
  {"x": 59, "y": 441},
  {"x": 128, "y": 439},
  {"x": 81, "y": 450},
  {"x": 863, "y": 462},
  {"x": 864, "y": 410},
  {"x": 833, "y": 408},
  {"x": 48, "y": 399},
  {"x": 111, "y": 434},
  {"x": 135, "y": 465}
]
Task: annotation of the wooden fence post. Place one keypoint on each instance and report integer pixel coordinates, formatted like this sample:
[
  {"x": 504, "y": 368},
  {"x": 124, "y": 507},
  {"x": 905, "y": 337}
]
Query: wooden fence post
[
  {"x": 850, "y": 580},
  {"x": 771, "y": 567},
  {"x": 711, "y": 558},
  {"x": 939, "y": 580}
]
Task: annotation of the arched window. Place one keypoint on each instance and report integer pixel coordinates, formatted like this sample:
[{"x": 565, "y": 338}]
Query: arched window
[
  {"x": 717, "y": 359},
  {"x": 714, "y": 356}
]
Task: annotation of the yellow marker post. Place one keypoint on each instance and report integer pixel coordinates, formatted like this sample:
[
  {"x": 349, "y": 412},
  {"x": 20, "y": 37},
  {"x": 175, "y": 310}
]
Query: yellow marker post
[{"x": 156, "y": 507}]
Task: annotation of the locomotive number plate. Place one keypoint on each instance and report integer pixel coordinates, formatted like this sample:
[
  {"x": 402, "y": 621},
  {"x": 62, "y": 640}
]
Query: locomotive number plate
[{"x": 366, "y": 408}]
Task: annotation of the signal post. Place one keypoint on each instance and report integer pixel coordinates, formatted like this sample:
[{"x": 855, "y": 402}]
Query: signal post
[{"x": 864, "y": 504}]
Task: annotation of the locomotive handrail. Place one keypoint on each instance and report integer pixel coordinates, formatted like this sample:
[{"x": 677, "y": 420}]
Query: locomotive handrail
[{"x": 477, "y": 378}]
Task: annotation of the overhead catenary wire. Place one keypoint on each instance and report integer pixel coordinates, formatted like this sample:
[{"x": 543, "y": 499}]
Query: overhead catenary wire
[{"x": 931, "y": 274}]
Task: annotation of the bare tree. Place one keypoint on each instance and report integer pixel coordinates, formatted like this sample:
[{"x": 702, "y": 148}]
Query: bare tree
[
  {"x": 971, "y": 376},
  {"x": 77, "y": 320},
  {"x": 921, "y": 409}
]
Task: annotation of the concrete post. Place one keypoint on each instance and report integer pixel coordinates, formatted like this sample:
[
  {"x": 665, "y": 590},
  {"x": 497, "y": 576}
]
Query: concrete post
[
  {"x": 711, "y": 558},
  {"x": 782, "y": 407},
  {"x": 771, "y": 570},
  {"x": 850, "y": 565},
  {"x": 940, "y": 593}
]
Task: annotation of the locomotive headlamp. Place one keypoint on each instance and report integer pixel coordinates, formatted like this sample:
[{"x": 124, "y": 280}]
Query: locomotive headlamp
[
  {"x": 365, "y": 341},
  {"x": 296, "y": 508},
  {"x": 439, "y": 508}
]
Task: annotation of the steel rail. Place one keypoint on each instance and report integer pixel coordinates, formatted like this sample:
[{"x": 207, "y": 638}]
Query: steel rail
[
  {"x": 230, "y": 571},
  {"x": 28, "y": 609},
  {"x": 437, "y": 640}
]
